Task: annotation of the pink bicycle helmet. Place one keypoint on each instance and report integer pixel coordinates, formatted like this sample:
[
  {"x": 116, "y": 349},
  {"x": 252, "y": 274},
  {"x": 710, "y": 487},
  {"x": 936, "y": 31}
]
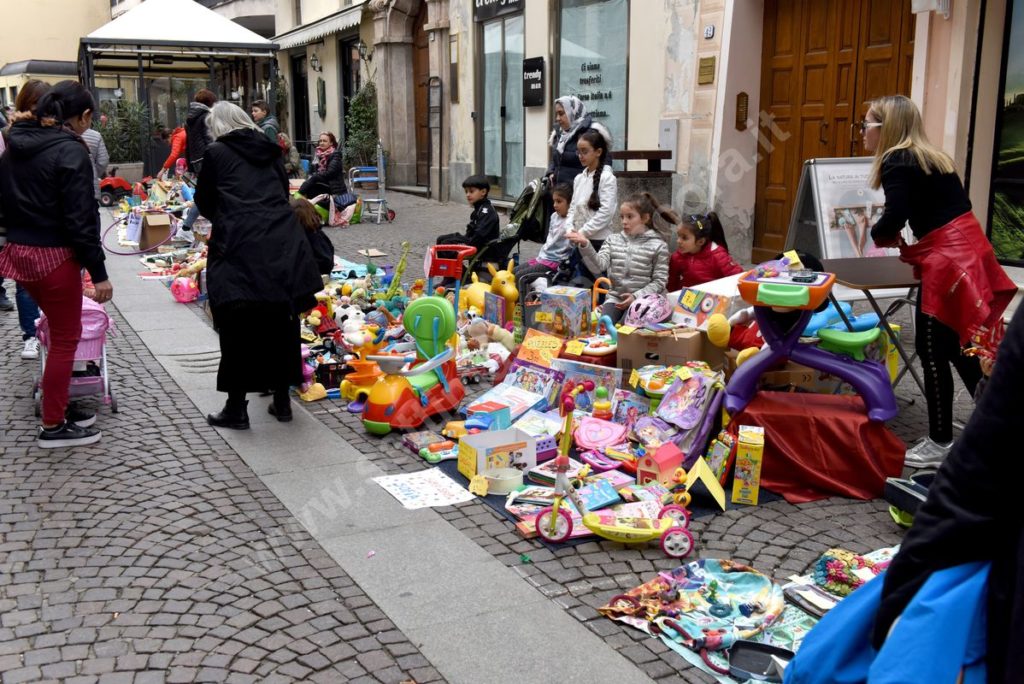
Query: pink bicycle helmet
[{"x": 648, "y": 309}]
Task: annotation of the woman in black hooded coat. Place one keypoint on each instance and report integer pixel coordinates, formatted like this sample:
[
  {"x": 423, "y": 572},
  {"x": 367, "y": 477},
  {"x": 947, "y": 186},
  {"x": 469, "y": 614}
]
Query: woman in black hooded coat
[{"x": 261, "y": 272}]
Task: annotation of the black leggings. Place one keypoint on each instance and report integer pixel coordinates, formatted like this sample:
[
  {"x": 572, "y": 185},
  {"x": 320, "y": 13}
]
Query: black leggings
[{"x": 938, "y": 345}]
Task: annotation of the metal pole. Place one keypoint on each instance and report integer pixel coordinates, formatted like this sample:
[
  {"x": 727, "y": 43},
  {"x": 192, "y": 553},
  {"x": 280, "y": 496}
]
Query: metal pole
[
  {"x": 143, "y": 121},
  {"x": 273, "y": 87}
]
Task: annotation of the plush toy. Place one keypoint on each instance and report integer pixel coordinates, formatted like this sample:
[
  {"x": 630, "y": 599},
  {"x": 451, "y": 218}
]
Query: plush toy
[
  {"x": 416, "y": 290},
  {"x": 738, "y": 332},
  {"x": 349, "y": 312},
  {"x": 480, "y": 333}
]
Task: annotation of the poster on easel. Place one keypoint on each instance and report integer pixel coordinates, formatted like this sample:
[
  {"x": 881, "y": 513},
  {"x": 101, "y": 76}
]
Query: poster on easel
[{"x": 835, "y": 209}]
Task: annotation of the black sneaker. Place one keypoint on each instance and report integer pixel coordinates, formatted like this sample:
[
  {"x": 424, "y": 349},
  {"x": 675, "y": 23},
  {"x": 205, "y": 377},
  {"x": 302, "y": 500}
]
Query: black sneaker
[
  {"x": 6, "y": 304},
  {"x": 82, "y": 419},
  {"x": 67, "y": 435}
]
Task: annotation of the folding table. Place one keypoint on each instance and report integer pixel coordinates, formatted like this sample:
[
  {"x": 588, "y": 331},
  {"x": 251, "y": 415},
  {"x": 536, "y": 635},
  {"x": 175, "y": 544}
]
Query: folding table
[{"x": 879, "y": 273}]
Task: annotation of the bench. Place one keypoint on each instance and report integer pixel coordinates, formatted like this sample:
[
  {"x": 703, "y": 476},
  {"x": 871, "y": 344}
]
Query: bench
[{"x": 653, "y": 159}]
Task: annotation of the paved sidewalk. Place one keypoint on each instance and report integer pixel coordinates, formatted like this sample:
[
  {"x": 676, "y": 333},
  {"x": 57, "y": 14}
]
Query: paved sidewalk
[{"x": 157, "y": 555}]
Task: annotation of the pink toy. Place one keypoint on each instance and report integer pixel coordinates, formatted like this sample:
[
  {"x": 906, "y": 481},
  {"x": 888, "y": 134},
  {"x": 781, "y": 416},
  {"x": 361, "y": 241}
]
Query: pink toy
[
  {"x": 308, "y": 369},
  {"x": 184, "y": 290},
  {"x": 594, "y": 433},
  {"x": 659, "y": 466},
  {"x": 649, "y": 309}
]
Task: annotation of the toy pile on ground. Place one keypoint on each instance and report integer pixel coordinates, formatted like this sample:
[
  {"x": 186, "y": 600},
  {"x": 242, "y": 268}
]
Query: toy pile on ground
[{"x": 591, "y": 429}]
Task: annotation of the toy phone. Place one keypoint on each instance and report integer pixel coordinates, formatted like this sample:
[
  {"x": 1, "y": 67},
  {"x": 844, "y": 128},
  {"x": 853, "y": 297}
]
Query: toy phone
[{"x": 804, "y": 275}]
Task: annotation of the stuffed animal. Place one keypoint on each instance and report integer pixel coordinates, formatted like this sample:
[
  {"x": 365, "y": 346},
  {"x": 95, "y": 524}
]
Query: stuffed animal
[
  {"x": 738, "y": 332},
  {"x": 503, "y": 283},
  {"x": 343, "y": 314},
  {"x": 480, "y": 333}
]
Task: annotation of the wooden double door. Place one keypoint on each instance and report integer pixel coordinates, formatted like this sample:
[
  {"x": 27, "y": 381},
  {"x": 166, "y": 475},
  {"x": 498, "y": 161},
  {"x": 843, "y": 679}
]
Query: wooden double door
[{"x": 822, "y": 62}]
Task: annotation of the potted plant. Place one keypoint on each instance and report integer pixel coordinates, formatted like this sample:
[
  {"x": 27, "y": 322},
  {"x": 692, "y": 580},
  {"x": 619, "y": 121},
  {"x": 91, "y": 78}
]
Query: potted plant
[
  {"x": 121, "y": 126},
  {"x": 361, "y": 121}
]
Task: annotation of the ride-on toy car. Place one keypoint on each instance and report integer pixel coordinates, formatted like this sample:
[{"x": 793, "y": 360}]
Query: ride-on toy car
[{"x": 420, "y": 378}]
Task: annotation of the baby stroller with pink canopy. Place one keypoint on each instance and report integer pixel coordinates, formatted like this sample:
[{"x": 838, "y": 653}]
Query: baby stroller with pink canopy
[{"x": 91, "y": 375}]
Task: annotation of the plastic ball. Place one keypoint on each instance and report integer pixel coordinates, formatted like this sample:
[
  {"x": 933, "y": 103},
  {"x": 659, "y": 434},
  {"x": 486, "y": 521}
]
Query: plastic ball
[
  {"x": 569, "y": 404},
  {"x": 588, "y": 386}
]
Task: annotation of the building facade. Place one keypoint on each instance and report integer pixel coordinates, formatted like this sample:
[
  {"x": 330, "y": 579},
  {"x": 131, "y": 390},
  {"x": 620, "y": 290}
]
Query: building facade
[{"x": 36, "y": 46}]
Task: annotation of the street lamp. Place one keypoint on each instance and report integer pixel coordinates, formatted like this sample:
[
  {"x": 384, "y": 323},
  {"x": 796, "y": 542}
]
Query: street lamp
[
  {"x": 362, "y": 49},
  {"x": 314, "y": 63}
]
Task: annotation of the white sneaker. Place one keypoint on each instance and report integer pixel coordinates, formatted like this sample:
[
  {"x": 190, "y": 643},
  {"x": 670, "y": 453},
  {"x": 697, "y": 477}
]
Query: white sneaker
[
  {"x": 540, "y": 285},
  {"x": 926, "y": 454},
  {"x": 184, "y": 235},
  {"x": 31, "y": 349}
]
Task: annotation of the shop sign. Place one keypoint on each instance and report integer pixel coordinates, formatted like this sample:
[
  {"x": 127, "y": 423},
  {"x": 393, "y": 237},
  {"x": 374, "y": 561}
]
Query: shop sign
[
  {"x": 489, "y": 9},
  {"x": 533, "y": 82}
]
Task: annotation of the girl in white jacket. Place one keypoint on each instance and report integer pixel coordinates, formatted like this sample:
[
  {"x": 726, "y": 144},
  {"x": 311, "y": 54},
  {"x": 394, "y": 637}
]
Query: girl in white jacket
[{"x": 595, "y": 192}]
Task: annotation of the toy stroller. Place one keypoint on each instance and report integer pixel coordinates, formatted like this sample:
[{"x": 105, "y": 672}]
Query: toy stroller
[{"x": 91, "y": 374}]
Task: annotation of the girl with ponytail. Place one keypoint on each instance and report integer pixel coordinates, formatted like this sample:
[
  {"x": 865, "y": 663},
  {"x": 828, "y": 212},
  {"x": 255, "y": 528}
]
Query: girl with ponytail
[
  {"x": 636, "y": 260},
  {"x": 595, "y": 192},
  {"x": 701, "y": 252}
]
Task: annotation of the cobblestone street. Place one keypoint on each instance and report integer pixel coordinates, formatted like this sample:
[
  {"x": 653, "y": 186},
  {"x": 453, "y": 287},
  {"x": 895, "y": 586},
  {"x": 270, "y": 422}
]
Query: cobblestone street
[{"x": 159, "y": 555}]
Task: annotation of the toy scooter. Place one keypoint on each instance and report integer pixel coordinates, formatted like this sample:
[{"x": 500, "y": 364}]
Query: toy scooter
[{"x": 554, "y": 523}]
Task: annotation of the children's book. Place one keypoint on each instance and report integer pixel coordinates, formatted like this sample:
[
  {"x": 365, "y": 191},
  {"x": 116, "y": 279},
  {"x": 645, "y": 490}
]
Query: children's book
[
  {"x": 544, "y": 474},
  {"x": 599, "y": 494},
  {"x": 628, "y": 407},
  {"x": 494, "y": 309},
  {"x": 539, "y": 348},
  {"x": 538, "y": 423},
  {"x": 654, "y": 491},
  {"x": 519, "y": 401},
  {"x": 535, "y": 494},
  {"x": 577, "y": 372},
  {"x": 421, "y": 439},
  {"x": 537, "y": 379},
  {"x": 617, "y": 478}
]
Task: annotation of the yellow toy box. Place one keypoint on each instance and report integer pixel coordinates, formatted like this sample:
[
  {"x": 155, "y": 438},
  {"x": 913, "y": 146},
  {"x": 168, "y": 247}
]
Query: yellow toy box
[
  {"x": 746, "y": 481},
  {"x": 496, "y": 449}
]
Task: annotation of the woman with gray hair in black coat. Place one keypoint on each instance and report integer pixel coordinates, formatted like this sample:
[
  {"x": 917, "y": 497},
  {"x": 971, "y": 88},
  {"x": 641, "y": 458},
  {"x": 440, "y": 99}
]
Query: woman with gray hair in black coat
[{"x": 261, "y": 272}]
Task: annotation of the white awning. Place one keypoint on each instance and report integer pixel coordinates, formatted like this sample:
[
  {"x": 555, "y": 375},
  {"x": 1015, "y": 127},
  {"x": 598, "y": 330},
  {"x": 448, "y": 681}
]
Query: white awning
[
  {"x": 175, "y": 22},
  {"x": 333, "y": 23}
]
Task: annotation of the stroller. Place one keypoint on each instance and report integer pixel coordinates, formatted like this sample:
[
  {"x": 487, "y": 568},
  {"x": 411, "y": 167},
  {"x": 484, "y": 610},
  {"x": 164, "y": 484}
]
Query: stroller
[
  {"x": 91, "y": 374},
  {"x": 528, "y": 220}
]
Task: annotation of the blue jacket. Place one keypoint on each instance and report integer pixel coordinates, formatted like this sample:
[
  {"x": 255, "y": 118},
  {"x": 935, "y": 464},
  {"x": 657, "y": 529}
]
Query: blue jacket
[{"x": 941, "y": 632}]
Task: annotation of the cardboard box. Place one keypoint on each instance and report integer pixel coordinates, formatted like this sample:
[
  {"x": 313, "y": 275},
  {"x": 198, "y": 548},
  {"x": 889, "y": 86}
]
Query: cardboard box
[
  {"x": 501, "y": 416},
  {"x": 694, "y": 305},
  {"x": 156, "y": 228},
  {"x": 564, "y": 311},
  {"x": 668, "y": 348},
  {"x": 496, "y": 449},
  {"x": 746, "y": 483}
]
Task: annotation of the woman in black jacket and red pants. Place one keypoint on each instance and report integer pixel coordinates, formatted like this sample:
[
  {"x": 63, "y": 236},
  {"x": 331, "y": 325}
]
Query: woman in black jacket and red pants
[{"x": 53, "y": 231}]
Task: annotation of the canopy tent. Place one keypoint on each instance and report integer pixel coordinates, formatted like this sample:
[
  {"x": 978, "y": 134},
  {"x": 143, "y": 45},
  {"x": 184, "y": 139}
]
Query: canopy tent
[{"x": 180, "y": 39}]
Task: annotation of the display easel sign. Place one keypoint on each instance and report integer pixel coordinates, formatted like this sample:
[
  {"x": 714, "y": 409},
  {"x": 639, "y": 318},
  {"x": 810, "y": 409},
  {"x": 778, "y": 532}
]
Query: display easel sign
[{"x": 835, "y": 209}]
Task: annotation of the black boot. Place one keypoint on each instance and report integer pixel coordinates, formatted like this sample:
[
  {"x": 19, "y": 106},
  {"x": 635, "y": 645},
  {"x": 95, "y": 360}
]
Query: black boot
[
  {"x": 281, "y": 407},
  {"x": 234, "y": 414}
]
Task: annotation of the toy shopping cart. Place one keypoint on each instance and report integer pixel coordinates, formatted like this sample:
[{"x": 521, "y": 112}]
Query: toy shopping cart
[{"x": 91, "y": 375}]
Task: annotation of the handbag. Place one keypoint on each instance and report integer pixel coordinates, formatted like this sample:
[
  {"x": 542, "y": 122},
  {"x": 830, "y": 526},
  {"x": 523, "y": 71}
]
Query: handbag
[{"x": 344, "y": 200}]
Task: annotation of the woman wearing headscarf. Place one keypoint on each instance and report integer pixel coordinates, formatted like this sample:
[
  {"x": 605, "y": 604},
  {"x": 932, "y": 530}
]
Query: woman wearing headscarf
[
  {"x": 571, "y": 120},
  {"x": 261, "y": 269}
]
